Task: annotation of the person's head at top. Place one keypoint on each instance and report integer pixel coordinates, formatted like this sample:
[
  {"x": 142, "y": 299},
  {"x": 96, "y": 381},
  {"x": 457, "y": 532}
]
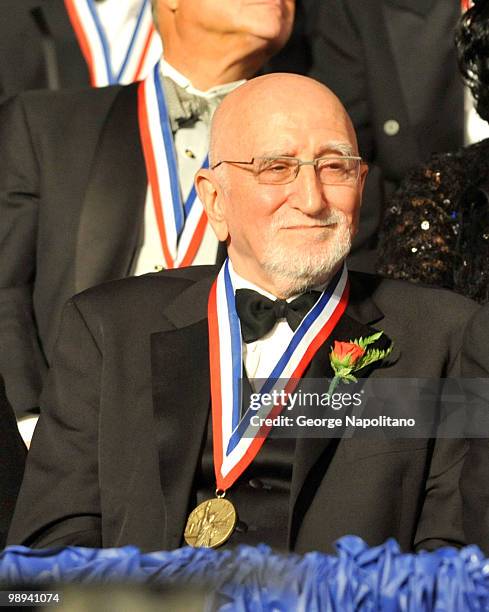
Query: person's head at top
[
  {"x": 472, "y": 40},
  {"x": 214, "y": 42},
  {"x": 288, "y": 225}
]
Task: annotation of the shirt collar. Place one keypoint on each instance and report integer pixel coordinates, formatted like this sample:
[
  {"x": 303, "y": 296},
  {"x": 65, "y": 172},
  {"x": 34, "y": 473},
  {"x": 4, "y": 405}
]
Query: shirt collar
[{"x": 182, "y": 81}]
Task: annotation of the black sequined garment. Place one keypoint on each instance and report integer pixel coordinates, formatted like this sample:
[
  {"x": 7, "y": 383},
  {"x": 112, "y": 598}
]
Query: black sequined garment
[{"x": 436, "y": 226}]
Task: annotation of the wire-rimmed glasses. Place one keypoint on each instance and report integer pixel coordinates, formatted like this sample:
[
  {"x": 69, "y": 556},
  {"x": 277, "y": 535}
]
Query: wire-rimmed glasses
[{"x": 330, "y": 170}]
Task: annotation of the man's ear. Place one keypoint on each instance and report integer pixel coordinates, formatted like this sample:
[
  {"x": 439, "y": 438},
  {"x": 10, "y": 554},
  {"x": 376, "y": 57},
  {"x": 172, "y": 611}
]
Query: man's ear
[{"x": 211, "y": 195}]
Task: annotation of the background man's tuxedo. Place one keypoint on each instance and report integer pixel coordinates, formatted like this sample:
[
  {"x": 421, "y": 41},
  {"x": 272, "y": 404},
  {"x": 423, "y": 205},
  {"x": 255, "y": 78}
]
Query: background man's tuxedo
[
  {"x": 81, "y": 152},
  {"x": 127, "y": 406},
  {"x": 12, "y": 460},
  {"x": 72, "y": 193},
  {"x": 393, "y": 65}
]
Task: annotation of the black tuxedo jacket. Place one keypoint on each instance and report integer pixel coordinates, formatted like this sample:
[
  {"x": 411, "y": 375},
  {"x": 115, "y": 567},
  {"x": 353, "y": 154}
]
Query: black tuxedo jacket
[
  {"x": 38, "y": 48},
  {"x": 475, "y": 475},
  {"x": 393, "y": 65},
  {"x": 12, "y": 460},
  {"x": 127, "y": 406},
  {"x": 72, "y": 192}
]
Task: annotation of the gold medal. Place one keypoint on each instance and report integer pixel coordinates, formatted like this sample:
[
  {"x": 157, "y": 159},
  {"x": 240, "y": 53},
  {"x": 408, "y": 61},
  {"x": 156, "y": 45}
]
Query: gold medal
[{"x": 211, "y": 523}]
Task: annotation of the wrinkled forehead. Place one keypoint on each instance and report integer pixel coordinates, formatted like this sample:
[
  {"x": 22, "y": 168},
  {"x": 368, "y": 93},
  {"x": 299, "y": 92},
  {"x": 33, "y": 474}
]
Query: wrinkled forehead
[
  {"x": 297, "y": 134},
  {"x": 280, "y": 120}
]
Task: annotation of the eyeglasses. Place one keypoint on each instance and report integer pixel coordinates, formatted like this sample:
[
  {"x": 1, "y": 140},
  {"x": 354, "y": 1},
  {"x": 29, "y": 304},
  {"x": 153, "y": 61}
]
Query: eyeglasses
[{"x": 343, "y": 170}]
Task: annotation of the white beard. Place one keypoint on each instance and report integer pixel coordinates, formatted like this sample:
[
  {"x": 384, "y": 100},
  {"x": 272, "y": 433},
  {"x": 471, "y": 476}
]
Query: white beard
[{"x": 294, "y": 272}]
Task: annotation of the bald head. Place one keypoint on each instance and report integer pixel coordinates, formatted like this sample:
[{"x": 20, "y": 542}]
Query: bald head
[
  {"x": 264, "y": 103},
  {"x": 288, "y": 225}
]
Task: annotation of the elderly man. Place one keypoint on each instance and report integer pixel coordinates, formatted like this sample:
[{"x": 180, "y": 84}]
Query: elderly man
[
  {"x": 140, "y": 435},
  {"x": 98, "y": 184}
]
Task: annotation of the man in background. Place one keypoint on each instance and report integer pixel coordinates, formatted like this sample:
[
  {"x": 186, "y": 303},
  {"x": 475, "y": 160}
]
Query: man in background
[{"x": 98, "y": 184}]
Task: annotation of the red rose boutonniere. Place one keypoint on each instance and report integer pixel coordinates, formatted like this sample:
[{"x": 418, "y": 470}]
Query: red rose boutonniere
[{"x": 349, "y": 357}]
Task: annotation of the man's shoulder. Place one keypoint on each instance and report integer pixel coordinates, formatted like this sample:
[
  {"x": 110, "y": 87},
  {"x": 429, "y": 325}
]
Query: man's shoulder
[
  {"x": 160, "y": 288},
  {"x": 85, "y": 95},
  {"x": 67, "y": 125},
  {"x": 408, "y": 301},
  {"x": 51, "y": 108}
]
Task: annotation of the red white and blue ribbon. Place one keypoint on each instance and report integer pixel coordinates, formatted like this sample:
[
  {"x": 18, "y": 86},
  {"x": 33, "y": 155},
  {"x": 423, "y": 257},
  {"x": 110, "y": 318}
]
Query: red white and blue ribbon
[
  {"x": 234, "y": 448},
  {"x": 181, "y": 225},
  {"x": 143, "y": 50}
]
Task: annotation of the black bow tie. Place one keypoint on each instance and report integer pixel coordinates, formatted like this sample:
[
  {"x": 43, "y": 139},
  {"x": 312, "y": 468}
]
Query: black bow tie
[{"x": 258, "y": 314}]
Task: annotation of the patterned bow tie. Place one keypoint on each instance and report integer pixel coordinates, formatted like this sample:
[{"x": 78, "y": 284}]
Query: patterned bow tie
[
  {"x": 258, "y": 314},
  {"x": 185, "y": 108}
]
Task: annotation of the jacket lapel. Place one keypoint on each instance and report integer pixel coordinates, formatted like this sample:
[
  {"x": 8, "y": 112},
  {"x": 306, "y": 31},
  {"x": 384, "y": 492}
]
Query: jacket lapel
[
  {"x": 181, "y": 401},
  {"x": 56, "y": 30},
  {"x": 313, "y": 455},
  {"x": 113, "y": 207}
]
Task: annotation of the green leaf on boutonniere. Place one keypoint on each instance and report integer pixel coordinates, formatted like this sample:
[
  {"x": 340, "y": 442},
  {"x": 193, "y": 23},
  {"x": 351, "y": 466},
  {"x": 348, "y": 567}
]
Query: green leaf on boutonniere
[{"x": 352, "y": 356}]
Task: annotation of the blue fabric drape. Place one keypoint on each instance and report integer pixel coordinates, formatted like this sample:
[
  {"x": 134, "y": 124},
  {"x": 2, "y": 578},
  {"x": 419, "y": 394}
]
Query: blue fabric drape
[{"x": 357, "y": 577}]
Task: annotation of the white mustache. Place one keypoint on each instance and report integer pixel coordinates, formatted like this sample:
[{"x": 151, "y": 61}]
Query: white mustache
[{"x": 335, "y": 217}]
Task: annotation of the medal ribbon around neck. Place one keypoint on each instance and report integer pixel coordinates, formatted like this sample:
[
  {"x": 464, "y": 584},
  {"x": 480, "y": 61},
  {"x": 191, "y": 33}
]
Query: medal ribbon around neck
[
  {"x": 233, "y": 452},
  {"x": 144, "y": 47},
  {"x": 181, "y": 225}
]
